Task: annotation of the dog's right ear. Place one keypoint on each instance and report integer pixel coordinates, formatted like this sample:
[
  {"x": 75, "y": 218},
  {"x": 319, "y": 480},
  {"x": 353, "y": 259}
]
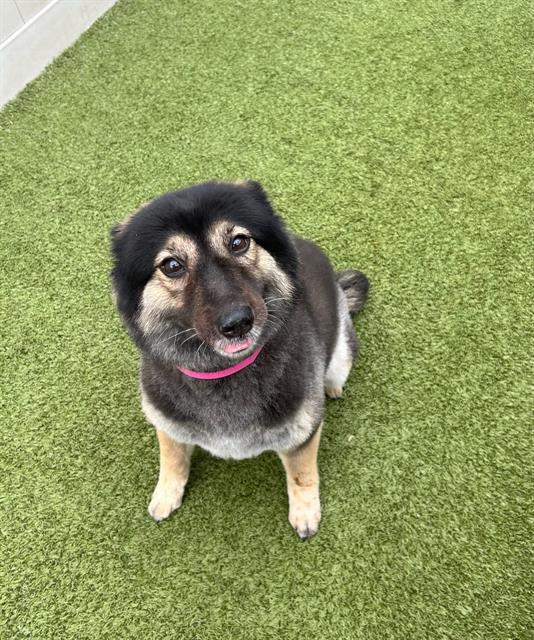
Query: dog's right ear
[{"x": 118, "y": 230}]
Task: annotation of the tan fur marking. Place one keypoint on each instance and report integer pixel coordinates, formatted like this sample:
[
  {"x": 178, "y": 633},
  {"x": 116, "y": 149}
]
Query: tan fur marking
[
  {"x": 302, "y": 481},
  {"x": 334, "y": 392},
  {"x": 238, "y": 230},
  {"x": 219, "y": 235},
  {"x": 161, "y": 292},
  {"x": 174, "y": 460},
  {"x": 303, "y": 486},
  {"x": 268, "y": 267},
  {"x": 179, "y": 246},
  {"x": 156, "y": 297}
]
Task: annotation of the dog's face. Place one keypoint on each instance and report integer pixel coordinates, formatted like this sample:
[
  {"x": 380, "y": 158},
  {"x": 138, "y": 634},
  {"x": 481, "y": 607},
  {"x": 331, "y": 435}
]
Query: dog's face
[{"x": 205, "y": 273}]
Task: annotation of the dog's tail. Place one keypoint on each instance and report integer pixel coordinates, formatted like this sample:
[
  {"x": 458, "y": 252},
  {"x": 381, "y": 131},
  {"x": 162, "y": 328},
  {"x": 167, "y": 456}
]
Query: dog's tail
[{"x": 355, "y": 286}]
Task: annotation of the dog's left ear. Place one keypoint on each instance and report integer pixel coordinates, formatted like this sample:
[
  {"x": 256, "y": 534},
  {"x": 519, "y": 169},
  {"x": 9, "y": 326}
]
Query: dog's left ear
[
  {"x": 256, "y": 190},
  {"x": 250, "y": 185}
]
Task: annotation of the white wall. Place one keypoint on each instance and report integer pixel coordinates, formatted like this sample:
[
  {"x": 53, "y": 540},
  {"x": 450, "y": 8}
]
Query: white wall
[{"x": 34, "y": 32}]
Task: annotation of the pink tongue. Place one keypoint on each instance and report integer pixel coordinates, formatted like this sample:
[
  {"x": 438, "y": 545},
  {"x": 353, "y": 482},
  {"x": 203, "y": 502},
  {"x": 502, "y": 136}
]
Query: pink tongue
[{"x": 234, "y": 347}]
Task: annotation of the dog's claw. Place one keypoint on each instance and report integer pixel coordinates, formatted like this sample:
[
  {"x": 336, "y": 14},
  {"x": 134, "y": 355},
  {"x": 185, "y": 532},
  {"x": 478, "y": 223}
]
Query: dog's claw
[
  {"x": 334, "y": 392},
  {"x": 305, "y": 521},
  {"x": 305, "y": 534}
]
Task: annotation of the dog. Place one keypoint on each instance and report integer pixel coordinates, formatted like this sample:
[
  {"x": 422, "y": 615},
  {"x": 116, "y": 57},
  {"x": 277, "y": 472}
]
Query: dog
[{"x": 242, "y": 328}]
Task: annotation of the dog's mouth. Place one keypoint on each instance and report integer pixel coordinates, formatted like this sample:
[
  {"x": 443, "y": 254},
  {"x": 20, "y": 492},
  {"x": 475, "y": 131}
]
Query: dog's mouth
[{"x": 238, "y": 346}]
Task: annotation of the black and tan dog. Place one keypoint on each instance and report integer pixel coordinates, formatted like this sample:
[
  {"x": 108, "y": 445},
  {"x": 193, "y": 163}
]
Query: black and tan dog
[{"x": 242, "y": 328}]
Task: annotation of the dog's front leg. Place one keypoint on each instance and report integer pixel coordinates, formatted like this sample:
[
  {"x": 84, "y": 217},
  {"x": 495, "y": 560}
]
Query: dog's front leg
[
  {"x": 174, "y": 461},
  {"x": 303, "y": 486}
]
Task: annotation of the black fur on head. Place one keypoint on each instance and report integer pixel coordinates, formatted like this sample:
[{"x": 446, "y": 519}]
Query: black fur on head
[{"x": 193, "y": 213}]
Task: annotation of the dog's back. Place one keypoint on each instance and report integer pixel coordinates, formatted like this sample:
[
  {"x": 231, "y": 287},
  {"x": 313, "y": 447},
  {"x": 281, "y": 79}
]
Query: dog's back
[{"x": 329, "y": 295}]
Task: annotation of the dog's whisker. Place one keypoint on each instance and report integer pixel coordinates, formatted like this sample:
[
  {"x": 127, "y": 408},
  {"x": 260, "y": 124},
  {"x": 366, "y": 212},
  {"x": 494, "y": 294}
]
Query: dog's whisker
[
  {"x": 276, "y": 326},
  {"x": 177, "y": 334},
  {"x": 276, "y": 323},
  {"x": 203, "y": 345},
  {"x": 269, "y": 301},
  {"x": 271, "y": 316},
  {"x": 199, "y": 348},
  {"x": 274, "y": 329},
  {"x": 195, "y": 335}
]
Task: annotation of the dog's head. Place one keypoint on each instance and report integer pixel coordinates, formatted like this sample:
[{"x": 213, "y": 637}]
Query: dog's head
[{"x": 204, "y": 273}]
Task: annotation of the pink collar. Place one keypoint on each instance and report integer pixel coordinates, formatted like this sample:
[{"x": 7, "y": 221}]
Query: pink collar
[{"x": 223, "y": 373}]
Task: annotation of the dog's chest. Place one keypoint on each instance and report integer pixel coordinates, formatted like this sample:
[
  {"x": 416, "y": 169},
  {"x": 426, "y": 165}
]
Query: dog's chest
[{"x": 228, "y": 431}]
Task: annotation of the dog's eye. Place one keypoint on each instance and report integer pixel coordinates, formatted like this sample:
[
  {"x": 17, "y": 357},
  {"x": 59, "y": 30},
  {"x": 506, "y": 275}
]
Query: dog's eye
[
  {"x": 239, "y": 245},
  {"x": 172, "y": 268}
]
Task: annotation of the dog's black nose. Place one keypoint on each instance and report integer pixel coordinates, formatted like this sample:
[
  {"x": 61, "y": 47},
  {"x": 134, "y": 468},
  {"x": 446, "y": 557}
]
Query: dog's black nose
[{"x": 236, "y": 323}]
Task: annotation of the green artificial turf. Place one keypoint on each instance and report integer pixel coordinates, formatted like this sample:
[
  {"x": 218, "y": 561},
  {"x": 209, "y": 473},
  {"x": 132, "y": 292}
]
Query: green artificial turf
[{"x": 398, "y": 136}]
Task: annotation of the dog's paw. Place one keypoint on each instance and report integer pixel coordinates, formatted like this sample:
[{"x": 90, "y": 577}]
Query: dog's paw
[
  {"x": 165, "y": 499},
  {"x": 304, "y": 517},
  {"x": 334, "y": 392}
]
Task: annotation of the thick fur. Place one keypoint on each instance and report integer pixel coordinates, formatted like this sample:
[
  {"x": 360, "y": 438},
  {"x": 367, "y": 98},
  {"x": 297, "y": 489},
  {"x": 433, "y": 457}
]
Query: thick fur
[
  {"x": 302, "y": 320},
  {"x": 355, "y": 286}
]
